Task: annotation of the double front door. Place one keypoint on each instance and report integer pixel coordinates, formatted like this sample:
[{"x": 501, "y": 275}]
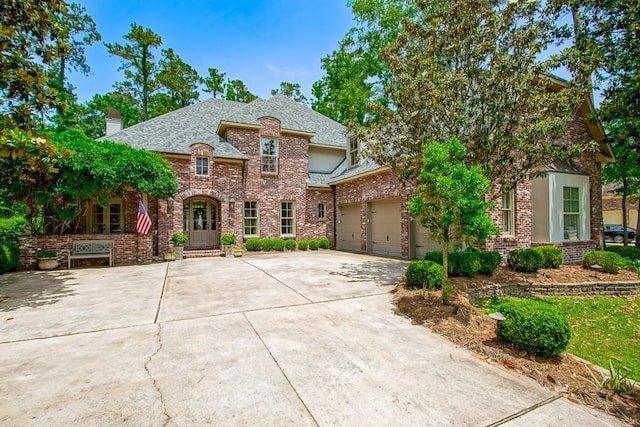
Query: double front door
[{"x": 201, "y": 219}]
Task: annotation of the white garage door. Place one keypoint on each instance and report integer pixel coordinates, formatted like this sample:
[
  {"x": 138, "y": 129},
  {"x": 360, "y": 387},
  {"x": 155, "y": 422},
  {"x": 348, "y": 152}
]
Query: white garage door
[
  {"x": 348, "y": 228},
  {"x": 385, "y": 227},
  {"x": 422, "y": 241}
]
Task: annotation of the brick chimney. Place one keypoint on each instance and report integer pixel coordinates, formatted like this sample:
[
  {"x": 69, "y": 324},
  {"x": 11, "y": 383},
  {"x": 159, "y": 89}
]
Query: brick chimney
[{"x": 114, "y": 121}]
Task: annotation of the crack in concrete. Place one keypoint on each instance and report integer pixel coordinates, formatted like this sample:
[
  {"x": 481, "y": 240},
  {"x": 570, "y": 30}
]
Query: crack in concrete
[
  {"x": 155, "y": 382},
  {"x": 525, "y": 411}
]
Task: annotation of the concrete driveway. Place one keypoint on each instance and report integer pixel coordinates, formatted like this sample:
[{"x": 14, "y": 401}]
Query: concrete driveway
[{"x": 279, "y": 339}]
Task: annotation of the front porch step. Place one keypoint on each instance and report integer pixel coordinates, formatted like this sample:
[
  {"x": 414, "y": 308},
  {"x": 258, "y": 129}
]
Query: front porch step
[{"x": 202, "y": 253}]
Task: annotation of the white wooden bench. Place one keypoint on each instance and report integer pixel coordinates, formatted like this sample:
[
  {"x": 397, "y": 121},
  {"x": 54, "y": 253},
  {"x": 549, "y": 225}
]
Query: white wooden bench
[{"x": 85, "y": 249}]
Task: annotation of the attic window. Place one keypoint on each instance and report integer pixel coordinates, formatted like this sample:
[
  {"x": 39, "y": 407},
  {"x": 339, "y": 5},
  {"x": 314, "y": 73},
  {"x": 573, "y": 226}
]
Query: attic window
[
  {"x": 269, "y": 155},
  {"x": 354, "y": 152},
  {"x": 202, "y": 166}
]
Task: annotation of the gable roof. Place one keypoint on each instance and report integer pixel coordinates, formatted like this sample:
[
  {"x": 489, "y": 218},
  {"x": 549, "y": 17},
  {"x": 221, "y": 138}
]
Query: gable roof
[
  {"x": 202, "y": 122},
  {"x": 293, "y": 116}
]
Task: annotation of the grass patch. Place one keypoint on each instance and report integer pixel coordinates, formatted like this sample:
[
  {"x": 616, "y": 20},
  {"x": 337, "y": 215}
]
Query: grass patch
[{"x": 603, "y": 328}]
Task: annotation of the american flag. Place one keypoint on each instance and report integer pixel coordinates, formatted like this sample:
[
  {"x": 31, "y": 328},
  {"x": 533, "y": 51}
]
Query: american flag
[{"x": 143, "y": 224}]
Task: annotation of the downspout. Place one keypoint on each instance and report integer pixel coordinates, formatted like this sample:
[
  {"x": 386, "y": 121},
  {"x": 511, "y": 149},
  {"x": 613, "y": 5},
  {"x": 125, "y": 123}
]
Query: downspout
[{"x": 335, "y": 220}]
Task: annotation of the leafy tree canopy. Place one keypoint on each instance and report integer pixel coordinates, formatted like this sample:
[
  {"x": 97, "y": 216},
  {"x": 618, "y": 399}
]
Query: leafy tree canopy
[
  {"x": 470, "y": 70},
  {"x": 236, "y": 90},
  {"x": 292, "y": 90},
  {"x": 179, "y": 79},
  {"x": 214, "y": 82}
]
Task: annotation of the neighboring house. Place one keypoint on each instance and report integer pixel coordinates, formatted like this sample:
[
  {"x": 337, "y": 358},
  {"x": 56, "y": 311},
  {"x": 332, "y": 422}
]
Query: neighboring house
[
  {"x": 275, "y": 168},
  {"x": 612, "y": 207}
]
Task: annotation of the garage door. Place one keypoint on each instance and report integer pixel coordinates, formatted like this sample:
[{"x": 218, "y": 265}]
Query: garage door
[
  {"x": 385, "y": 228},
  {"x": 422, "y": 241},
  {"x": 348, "y": 228}
]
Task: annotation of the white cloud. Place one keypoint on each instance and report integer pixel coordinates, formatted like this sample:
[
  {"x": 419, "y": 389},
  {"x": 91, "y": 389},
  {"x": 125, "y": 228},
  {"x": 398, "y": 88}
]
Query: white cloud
[{"x": 286, "y": 72}]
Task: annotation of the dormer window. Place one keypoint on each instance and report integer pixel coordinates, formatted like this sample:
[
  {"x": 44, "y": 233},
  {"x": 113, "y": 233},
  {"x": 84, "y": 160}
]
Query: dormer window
[
  {"x": 202, "y": 166},
  {"x": 354, "y": 152},
  {"x": 269, "y": 156}
]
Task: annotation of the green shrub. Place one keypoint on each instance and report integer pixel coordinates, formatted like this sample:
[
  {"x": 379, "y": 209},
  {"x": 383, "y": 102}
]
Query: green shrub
[
  {"x": 630, "y": 252},
  {"x": 278, "y": 244},
  {"x": 525, "y": 260},
  {"x": 290, "y": 244},
  {"x": 551, "y": 256},
  {"x": 325, "y": 243},
  {"x": 303, "y": 245},
  {"x": 435, "y": 256},
  {"x": 424, "y": 275},
  {"x": 267, "y": 244},
  {"x": 533, "y": 325},
  {"x": 465, "y": 264},
  {"x": 253, "y": 244},
  {"x": 609, "y": 261},
  {"x": 314, "y": 245},
  {"x": 489, "y": 262},
  {"x": 10, "y": 229},
  {"x": 228, "y": 239},
  {"x": 179, "y": 239}
]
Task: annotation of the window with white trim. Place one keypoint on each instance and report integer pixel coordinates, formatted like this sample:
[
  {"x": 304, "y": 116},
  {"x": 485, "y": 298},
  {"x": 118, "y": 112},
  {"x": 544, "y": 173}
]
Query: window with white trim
[
  {"x": 354, "y": 152},
  {"x": 571, "y": 212},
  {"x": 287, "y": 219},
  {"x": 508, "y": 223},
  {"x": 250, "y": 218},
  {"x": 106, "y": 219},
  {"x": 269, "y": 156},
  {"x": 202, "y": 166},
  {"x": 321, "y": 211}
]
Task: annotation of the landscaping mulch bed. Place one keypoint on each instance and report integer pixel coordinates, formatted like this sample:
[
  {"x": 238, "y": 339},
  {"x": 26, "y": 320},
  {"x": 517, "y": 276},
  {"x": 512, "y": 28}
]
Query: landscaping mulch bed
[{"x": 466, "y": 326}]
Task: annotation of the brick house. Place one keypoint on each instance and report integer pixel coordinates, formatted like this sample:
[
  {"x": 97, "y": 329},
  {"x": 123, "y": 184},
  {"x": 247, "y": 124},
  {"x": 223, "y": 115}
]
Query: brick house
[{"x": 275, "y": 168}]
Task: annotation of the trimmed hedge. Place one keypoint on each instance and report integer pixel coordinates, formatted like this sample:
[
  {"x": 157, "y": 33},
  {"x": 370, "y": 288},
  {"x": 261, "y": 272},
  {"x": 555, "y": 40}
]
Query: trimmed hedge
[
  {"x": 314, "y": 245},
  {"x": 290, "y": 245},
  {"x": 266, "y": 244},
  {"x": 489, "y": 262},
  {"x": 303, "y": 245},
  {"x": 551, "y": 256},
  {"x": 324, "y": 243},
  {"x": 609, "y": 261},
  {"x": 533, "y": 325},
  {"x": 253, "y": 244},
  {"x": 525, "y": 260},
  {"x": 630, "y": 252},
  {"x": 278, "y": 244},
  {"x": 424, "y": 275}
]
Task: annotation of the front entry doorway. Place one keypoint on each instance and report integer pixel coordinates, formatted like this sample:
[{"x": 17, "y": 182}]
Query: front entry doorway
[{"x": 201, "y": 219}]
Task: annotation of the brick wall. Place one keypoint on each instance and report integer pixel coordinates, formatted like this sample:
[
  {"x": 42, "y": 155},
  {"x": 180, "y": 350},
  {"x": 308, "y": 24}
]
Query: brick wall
[
  {"x": 317, "y": 228},
  {"x": 128, "y": 248}
]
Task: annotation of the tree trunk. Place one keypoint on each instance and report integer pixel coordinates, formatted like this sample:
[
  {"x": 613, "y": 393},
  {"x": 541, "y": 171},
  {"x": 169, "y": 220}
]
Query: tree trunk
[{"x": 624, "y": 217}]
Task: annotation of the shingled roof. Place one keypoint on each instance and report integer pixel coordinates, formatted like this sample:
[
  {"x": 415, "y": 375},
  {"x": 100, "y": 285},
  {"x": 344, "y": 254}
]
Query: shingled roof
[
  {"x": 176, "y": 131},
  {"x": 293, "y": 116}
]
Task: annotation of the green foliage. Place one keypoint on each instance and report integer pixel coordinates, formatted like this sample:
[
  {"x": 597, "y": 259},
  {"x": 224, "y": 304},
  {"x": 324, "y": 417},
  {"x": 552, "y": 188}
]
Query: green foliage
[
  {"x": 214, "y": 82},
  {"x": 179, "y": 80},
  {"x": 489, "y": 262},
  {"x": 551, "y": 255},
  {"x": 630, "y": 252},
  {"x": 435, "y": 256},
  {"x": 236, "y": 90},
  {"x": 179, "y": 239},
  {"x": 290, "y": 244},
  {"x": 525, "y": 260},
  {"x": 534, "y": 325},
  {"x": 228, "y": 239},
  {"x": 253, "y": 244},
  {"x": 424, "y": 274},
  {"x": 138, "y": 64},
  {"x": 465, "y": 264},
  {"x": 314, "y": 244},
  {"x": 266, "y": 244},
  {"x": 325, "y": 243},
  {"x": 609, "y": 261},
  {"x": 303, "y": 245},
  {"x": 47, "y": 254},
  {"x": 10, "y": 229},
  {"x": 292, "y": 90},
  {"x": 278, "y": 244}
]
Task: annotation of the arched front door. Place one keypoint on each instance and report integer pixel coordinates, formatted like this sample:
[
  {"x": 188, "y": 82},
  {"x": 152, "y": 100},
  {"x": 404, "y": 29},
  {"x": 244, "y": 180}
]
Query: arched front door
[{"x": 201, "y": 219}]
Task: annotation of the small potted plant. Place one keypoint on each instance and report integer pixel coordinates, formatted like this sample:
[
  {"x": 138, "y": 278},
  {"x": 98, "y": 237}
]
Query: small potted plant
[
  {"x": 237, "y": 252},
  {"x": 178, "y": 240},
  {"x": 228, "y": 242},
  {"x": 170, "y": 255},
  {"x": 47, "y": 260}
]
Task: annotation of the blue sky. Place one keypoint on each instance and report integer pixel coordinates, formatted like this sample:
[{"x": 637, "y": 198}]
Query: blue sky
[{"x": 261, "y": 42}]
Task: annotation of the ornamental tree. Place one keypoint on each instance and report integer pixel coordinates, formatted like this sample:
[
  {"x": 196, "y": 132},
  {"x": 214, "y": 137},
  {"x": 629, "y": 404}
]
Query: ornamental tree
[{"x": 450, "y": 198}]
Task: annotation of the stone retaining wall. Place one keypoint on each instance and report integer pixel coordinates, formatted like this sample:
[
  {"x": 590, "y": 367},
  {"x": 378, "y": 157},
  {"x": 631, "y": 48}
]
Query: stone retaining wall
[{"x": 525, "y": 290}]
